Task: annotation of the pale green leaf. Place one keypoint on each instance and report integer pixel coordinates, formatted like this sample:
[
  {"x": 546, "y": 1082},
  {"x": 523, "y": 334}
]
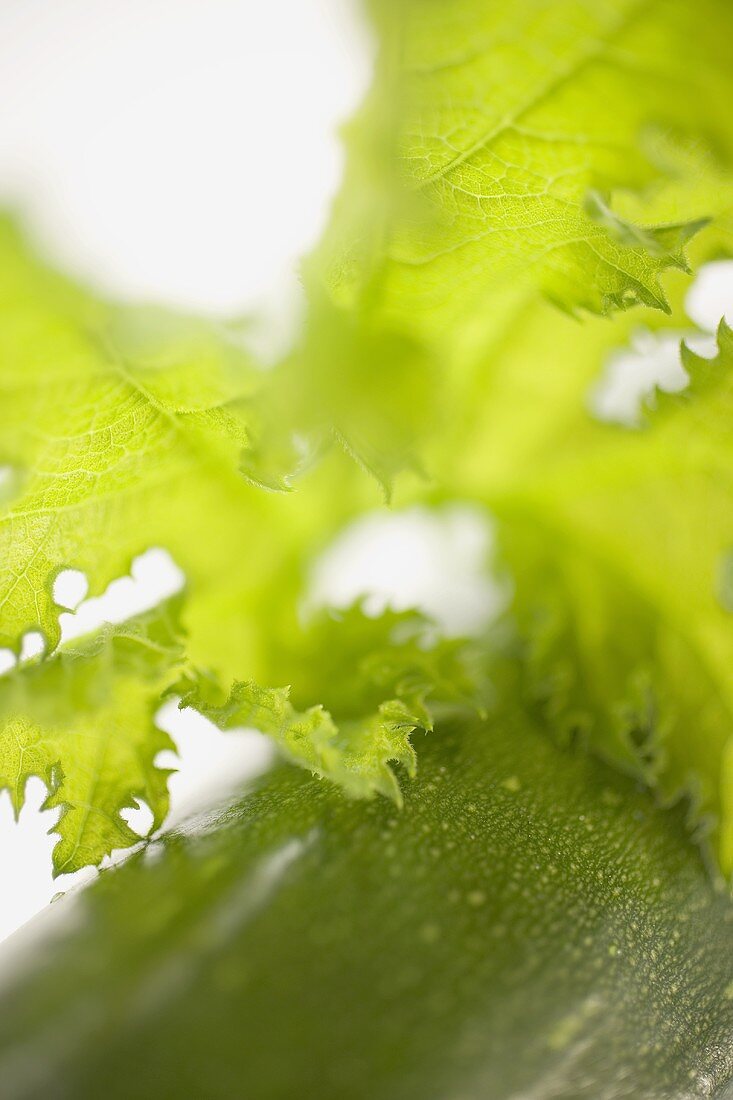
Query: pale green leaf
[
  {"x": 500, "y": 143},
  {"x": 356, "y": 757},
  {"x": 505, "y": 153},
  {"x": 382, "y": 678},
  {"x": 125, "y": 429},
  {"x": 107, "y": 450},
  {"x": 617, "y": 544},
  {"x": 83, "y": 722}
]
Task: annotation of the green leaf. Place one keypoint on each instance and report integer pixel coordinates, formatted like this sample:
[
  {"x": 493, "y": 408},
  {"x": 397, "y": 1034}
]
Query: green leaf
[
  {"x": 617, "y": 547},
  {"x": 616, "y": 541},
  {"x": 125, "y": 429},
  {"x": 83, "y": 722},
  {"x": 332, "y": 389},
  {"x": 356, "y": 757},
  {"x": 500, "y": 148},
  {"x": 504, "y": 153},
  {"x": 529, "y": 924},
  {"x": 110, "y": 452},
  {"x": 565, "y": 152},
  {"x": 383, "y": 678}
]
